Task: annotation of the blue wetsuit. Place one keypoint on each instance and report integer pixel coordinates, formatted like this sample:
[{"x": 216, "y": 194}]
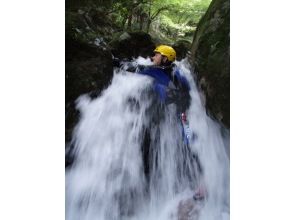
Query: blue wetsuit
[{"x": 169, "y": 85}]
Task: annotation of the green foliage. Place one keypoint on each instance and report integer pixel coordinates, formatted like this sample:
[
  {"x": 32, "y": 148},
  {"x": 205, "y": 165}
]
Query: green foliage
[
  {"x": 182, "y": 17},
  {"x": 167, "y": 19}
]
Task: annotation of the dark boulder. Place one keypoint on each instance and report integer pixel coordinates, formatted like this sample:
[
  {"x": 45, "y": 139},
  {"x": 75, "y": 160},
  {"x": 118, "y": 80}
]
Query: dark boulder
[
  {"x": 211, "y": 59},
  {"x": 182, "y": 47},
  {"x": 131, "y": 45},
  {"x": 88, "y": 69}
]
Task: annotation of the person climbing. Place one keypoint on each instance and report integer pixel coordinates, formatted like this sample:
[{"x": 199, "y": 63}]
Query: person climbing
[{"x": 169, "y": 85}]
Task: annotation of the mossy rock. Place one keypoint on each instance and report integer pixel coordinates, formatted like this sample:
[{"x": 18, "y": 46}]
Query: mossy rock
[
  {"x": 182, "y": 47},
  {"x": 210, "y": 54}
]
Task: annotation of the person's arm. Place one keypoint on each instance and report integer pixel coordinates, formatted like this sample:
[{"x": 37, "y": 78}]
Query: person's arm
[
  {"x": 128, "y": 65},
  {"x": 179, "y": 92}
]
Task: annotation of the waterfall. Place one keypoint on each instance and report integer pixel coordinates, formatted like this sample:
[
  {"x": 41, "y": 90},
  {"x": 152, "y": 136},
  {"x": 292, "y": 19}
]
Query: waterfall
[{"x": 131, "y": 161}]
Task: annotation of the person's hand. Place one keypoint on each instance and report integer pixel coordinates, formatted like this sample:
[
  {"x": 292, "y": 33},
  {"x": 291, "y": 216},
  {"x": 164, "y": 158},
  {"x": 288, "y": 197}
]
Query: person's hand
[{"x": 116, "y": 62}]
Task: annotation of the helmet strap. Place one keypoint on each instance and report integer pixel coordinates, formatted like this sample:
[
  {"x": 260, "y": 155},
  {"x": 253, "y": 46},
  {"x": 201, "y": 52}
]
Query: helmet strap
[{"x": 164, "y": 63}]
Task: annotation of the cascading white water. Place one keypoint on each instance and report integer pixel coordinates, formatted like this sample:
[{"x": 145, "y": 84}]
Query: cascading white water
[{"x": 131, "y": 161}]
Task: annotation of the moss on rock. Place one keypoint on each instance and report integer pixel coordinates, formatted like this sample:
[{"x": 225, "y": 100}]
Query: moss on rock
[
  {"x": 211, "y": 58},
  {"x": 181, "y": 47}
]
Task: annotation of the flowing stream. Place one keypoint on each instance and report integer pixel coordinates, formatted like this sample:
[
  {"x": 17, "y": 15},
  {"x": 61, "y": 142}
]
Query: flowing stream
[{"x": 131, "y": 161}]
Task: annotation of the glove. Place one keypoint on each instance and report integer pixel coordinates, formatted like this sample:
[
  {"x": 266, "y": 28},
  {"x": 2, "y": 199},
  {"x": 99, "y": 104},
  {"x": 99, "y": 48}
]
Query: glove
[{"x": 116, "y": 62}]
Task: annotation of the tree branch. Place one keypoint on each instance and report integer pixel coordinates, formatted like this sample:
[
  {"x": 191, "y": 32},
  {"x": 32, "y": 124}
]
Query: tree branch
[{"x": 158, "y": 11}]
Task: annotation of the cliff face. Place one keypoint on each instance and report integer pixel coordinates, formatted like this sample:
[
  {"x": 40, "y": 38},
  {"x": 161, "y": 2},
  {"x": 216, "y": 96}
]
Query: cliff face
[{"x": 210, "y": 55}]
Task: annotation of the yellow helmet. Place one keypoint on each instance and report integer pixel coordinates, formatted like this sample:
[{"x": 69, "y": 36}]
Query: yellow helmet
[{"x": 167, "y": 51}]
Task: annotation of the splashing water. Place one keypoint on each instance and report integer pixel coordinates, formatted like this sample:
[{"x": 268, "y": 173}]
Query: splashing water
[{"x": 131, "y": 161}]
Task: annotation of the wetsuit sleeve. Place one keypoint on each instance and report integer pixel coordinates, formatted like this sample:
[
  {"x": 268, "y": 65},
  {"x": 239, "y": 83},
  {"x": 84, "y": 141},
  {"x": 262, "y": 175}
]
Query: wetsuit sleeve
[
  {"x": 128, "y": 65},
  {"x": 133, "y": 67},
  {"x": 146, "y": 71},
  {"x": 181, "y": 94}
]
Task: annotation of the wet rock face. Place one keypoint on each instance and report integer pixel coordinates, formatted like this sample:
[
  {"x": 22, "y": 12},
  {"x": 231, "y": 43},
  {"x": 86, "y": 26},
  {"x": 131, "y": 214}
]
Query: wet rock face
[
  {"x": 210, "y": 55},
  {"x": 88, "y": 69},
  {"x": 181, "y": 47},
  {"x": 131, "y": 45},
  {"x": 189, "y": 209}
]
